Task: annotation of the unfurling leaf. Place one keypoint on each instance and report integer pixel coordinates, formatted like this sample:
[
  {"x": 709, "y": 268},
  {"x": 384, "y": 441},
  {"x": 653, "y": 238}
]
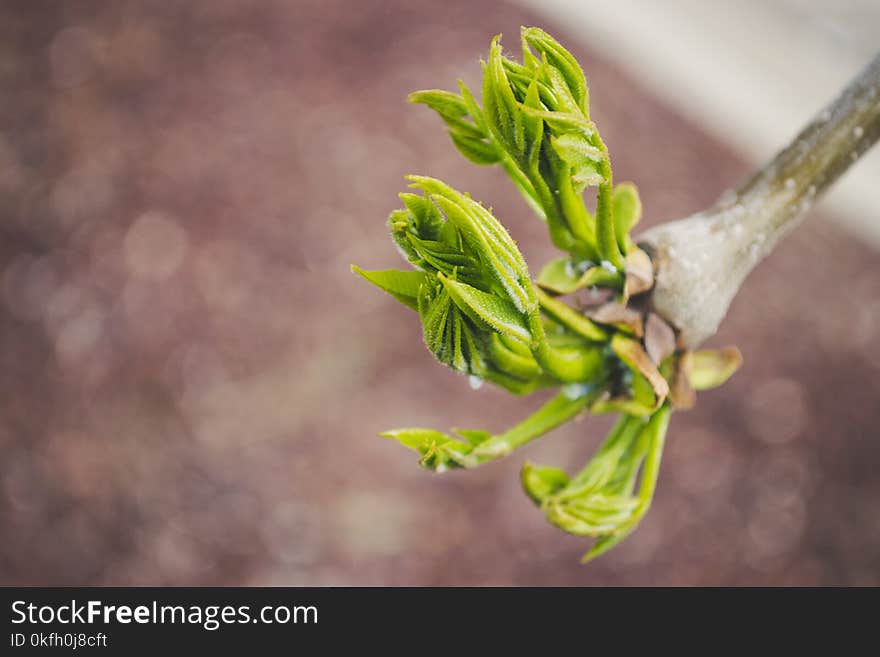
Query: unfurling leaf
[
  {"x": 507, "y": 357},
  {"x": 474, "y": 436},
  {"x": 653, "y": 439},
  {"x": 483, "y": 236},
  {"x": 447, "y": 105},
  {"x": 438, "y": 451},
  {"x": 402, "y": 285},
  {"x": 534, "y": 121},
  {"x": 541, "y": 481},
  {"x": 561, "y": 60},
  {"x": 471, "y": 138},
  {"x": 477, "y": 151},
  {"x": 449, "y": 334},
  {"x": 500, "y": 107},
  {"x": 607, "y": 499},
  {"x": 627, "y": 213}
]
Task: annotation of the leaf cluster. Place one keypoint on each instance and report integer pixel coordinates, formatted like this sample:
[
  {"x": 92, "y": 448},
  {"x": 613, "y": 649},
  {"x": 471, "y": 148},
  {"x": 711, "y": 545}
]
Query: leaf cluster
[{"x": 483, "y": 315}]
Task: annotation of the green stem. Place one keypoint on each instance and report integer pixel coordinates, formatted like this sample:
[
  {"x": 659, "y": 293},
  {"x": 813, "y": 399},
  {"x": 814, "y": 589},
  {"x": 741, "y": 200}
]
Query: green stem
[
  {"x": 554, "y": 413},
  {"x": 585, "y": 365},
  {"x": 605, "y": 234},
  {"x": 522, "y": 183},
  {"x": 570, "y": 318},
  {"x": 657, "y": 430}
]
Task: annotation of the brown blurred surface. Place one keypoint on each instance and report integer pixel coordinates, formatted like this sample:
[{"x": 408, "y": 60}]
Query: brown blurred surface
[{"x": 192, "y": 379}]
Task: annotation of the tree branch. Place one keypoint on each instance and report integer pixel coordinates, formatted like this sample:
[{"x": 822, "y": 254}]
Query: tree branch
[{"x": 701, "y": 261}]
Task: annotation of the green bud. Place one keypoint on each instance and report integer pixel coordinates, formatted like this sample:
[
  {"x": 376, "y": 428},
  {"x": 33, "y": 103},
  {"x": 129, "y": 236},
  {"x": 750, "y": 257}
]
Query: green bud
[
  {"x": 521, "y": 78},
  {"x": 500, "y": 107},
  {"x": 557, "y": 57},
  {"x": 483, "y": 236},
  {"x": 462, "y": 327},
  {"x": 608, "y": 498}
]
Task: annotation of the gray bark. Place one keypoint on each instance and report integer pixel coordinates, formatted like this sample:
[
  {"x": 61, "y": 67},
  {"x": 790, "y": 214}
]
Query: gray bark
[{"x": 701, "y": 261}]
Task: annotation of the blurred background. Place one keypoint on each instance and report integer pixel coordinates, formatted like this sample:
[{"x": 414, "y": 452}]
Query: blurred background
[{"x": 192, "y": 380}]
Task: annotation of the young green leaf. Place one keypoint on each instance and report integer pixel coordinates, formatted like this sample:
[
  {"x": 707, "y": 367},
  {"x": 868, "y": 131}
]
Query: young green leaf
[
  {"x": 627, "y": 213},
  {"x": 402, "y": 285},
  {"x": 561, "y": 60},
  {"x": 562, "y": 122},
  {"x": 494, "y": 311},
  {"x": 541, "y": 481},
  {"x": 501, "y": 110},
  {"x": 606, "y": 233},
  {"x": 487, "y": 238},
  {"x": 445, "y": 103},
  {"x": 471, "y": 139},
  {"x": 593, "y": 515},
  {"x": 448, "y": 334},
  {"x": 604, "y": 467},
  {"x": 474, "y": 436},
  {"x": 473, "y": 109},
  {"x": 577, "y": 151},
  {"x": 476, "y": 150},
  {"x": 438, "y": 451},
  {"x": 654, "y": 435},
  {"x": 515, "y": 364}
]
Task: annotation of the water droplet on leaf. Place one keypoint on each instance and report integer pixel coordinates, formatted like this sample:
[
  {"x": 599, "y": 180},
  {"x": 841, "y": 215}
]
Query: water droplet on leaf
[{"x": 575, "y": 391}]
